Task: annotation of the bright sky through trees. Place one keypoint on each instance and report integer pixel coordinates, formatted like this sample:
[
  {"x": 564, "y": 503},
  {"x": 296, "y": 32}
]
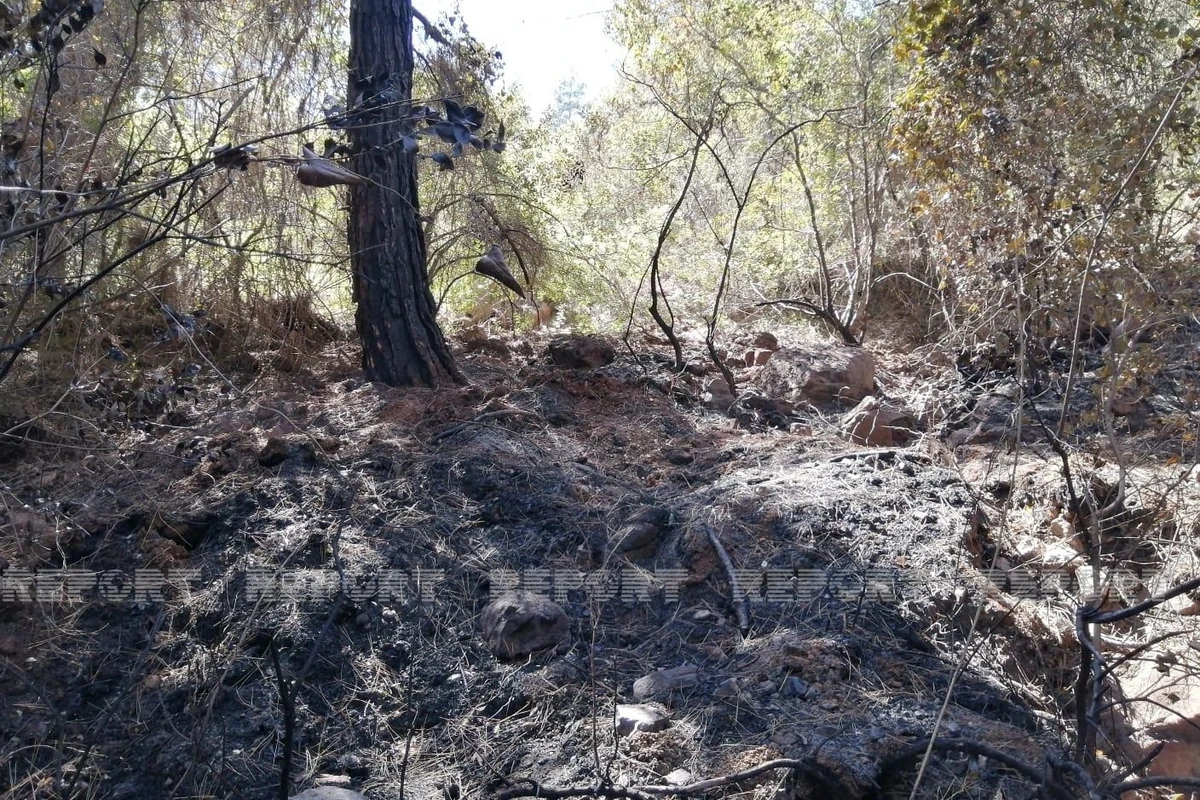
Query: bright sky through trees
[{"x": 544, "y": 42}]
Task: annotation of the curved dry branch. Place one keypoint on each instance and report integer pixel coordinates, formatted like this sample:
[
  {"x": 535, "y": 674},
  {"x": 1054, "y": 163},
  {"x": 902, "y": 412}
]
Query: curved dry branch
[{"x": 172, "y": 219}]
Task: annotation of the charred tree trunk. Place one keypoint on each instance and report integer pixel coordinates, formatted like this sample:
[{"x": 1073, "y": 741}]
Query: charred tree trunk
[{"x": 396, "y": 315}]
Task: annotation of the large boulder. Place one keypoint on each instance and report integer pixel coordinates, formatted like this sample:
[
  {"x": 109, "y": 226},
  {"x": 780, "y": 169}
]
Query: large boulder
[{"x": 819, "y": 374}]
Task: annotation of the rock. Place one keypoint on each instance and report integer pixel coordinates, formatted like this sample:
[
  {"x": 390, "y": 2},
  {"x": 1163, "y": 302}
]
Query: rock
[
  {"x": 834, "y": 372},
  {"x": 1161, "y": 706},
  {"x": 784, "y": 738},
  {"x": 639, "y": 538},
  {"x": 678, "y": 777},
  {"x": 489, "y": 345},
  {"x": 794, "y": 687},
  {"x": 1029, "y": 548},
  {"x": 328, "y": 793},
  {"x": 519, "y": 623},
  {"x": 874, "y": 424},
  {"x": 279, "y": 449},
  {"x": 1062, "y": 528},
  {"x": 753, "y": 407},
  {"x": 717, "y": 395},
  {"x": 766, "y": 341},
  {"x": 680, "y": 458},
  {"x": 1061, "y": 556},
  {"x": 274, "y": 452},
  {"x": 757, "y": 357},
  {"x": 665, "y": 681},
  {"x": 640, "y": 717},
  {"x": 579, "y": 352}
]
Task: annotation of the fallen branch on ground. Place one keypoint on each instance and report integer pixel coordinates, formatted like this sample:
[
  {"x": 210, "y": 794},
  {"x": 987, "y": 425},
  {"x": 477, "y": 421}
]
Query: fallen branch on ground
[{"x": 737, "y": 596}]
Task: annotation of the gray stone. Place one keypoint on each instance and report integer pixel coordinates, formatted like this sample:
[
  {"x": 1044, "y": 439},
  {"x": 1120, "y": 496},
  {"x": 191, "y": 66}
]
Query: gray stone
[
  {"x": 640, "y": 717},
  {"x": 517, "y": 624},
  {"x": 679, "y": 777},
  {"x": 665, "y": 681}
]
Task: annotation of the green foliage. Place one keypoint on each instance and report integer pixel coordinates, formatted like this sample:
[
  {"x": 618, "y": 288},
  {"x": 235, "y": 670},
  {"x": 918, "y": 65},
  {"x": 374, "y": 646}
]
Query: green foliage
[
  {"x": 997, "y": 151},
  {"x": 1039, "y": 146},
  {"x": 752, "y": 70}
]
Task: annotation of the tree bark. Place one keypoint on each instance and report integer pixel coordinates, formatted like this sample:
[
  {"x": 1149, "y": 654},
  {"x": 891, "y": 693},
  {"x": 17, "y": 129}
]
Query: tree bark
[{"x": 396, "y": 315}]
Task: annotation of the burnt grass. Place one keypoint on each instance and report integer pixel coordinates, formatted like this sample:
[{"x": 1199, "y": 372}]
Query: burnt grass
[{"x": 531, "y": 470}]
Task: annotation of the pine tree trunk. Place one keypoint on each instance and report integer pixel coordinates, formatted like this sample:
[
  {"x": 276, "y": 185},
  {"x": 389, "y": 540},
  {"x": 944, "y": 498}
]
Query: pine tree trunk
[{"x": 402, "y": 344}]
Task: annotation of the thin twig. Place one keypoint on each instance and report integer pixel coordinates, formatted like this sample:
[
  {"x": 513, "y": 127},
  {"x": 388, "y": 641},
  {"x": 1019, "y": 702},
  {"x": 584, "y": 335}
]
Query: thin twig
[
  {"x": 498, "y": 414},
  {"x": 738, "y": 597},
  {"x": 1094, "y": 616},
  {"x": 289, "y": 721}
]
